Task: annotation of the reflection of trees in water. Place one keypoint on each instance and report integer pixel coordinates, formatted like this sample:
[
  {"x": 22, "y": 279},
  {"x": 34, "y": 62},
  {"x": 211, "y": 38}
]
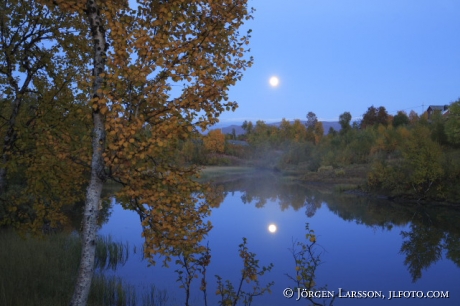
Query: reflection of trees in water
[
  {"x": 267, "y": 186},
  {"x": 452, "y": 245},
  {"x": 312, "y": 203},
  {"x": 422, "y": 247},
  {"x": 433, "y": 230},
  {"x": 75, "y": 214},
  {"x": 375, "y": 213}
]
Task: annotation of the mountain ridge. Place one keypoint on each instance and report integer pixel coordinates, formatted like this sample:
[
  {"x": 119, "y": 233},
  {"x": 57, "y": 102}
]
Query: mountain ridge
[{"x": 239, "y": 130}]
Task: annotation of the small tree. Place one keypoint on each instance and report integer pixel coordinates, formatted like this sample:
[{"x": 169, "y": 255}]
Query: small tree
[
  {"x": 452, "y": 127},
  {"x": 422, "y": 158},
  {"x": 233, "y": 134},
  {"x": 307, "y": 262},
  {"x": 318, "y": 132},
  {"x": 311, "y": 121},
  {"x": 413, "y": 117},
  {"x": 214, "y": 142},
  {"x": 230, "y": 295},
  {"x": 300, "y": 133},
  {"x": 344, "y": 121},
  {"x": 285, "y": 131},
  {"x": 400, "y": 119},
  {"x": 375, "y": 116},
  {"x": 247, "y": 126}
]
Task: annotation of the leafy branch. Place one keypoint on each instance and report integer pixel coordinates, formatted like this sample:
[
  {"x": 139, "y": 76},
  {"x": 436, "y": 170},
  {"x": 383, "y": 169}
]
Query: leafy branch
[
  {"x": 307, "y": 261},
  {"x": 250, "y": 273},
  {"x": 196, "y": 263}
]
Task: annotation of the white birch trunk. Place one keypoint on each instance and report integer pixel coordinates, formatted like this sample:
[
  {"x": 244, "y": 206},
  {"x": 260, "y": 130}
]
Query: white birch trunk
[{"x": 93, "y": 194}]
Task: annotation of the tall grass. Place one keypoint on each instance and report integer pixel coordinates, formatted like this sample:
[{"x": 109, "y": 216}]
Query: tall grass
[
  {"x": 111, "y": 291},
  {"x": 110, "y": 254},
  {"x": 43, "y": 271},
  {"x": 156, "y": 297},
  {"x": 37, "y": 272}
]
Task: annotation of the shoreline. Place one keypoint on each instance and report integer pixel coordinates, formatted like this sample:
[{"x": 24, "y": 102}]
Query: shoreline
[{"x": 347, "y": 180}]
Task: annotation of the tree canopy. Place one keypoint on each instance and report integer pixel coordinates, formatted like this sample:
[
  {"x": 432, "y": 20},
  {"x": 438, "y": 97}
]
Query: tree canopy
[
  {"x": 453, "y": 123},
  {"x": 215, "y": 141},
  {"x": 401, "y": 118},
  {"x": 145, "y": 76},
  {"x": 375, "y": 116},
  {"x": 344, "y": 121},
  {"x": 311, "y": 120}
]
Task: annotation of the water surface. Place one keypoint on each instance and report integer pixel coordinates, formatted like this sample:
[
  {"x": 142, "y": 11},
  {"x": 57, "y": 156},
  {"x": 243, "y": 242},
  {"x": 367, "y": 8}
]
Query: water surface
[{"x": 364, "y": 244}]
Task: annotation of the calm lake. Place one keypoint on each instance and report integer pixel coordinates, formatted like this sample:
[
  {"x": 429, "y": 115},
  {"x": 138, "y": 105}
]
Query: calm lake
[{"x": 364, "y": 245}]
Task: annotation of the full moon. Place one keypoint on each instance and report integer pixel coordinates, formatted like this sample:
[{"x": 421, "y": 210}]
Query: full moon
[
  {"x": 272, "y": 228},
  {"x": 274, "y": 81}
]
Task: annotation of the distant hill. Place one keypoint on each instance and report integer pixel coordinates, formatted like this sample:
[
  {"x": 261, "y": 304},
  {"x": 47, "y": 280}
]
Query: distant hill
[
  {"x": 331, "y": 124},
  {"x": 239, "y": 130},
  {"x": 229, "y": 129}
]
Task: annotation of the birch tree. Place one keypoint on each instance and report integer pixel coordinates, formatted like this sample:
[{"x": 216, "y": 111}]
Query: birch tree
[{"x": 138, "y": 54}]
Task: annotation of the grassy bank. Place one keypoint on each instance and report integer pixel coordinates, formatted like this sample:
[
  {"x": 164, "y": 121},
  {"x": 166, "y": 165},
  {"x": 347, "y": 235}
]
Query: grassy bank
[
  {"x": 216, "y": 172},
  {"x": 43, "y": 271},
  {"x": 350, "y": 177},
  {"x": 335, "y": 179}
]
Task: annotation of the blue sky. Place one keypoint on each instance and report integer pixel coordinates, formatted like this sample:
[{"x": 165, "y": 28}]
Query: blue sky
[{"x": 346, "y": 55}]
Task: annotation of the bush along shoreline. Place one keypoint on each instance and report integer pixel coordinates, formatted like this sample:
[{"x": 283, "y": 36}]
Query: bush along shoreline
[{"x": 406, "y": 157}]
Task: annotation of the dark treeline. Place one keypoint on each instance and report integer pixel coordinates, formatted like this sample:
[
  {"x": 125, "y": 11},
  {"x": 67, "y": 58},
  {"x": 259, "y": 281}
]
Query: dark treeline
[{"x": 406, "y": 156}]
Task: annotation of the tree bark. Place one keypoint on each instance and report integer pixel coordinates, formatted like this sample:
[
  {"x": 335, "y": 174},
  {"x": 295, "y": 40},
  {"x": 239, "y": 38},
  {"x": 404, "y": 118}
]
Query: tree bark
[{"x": 93, "y": 194}]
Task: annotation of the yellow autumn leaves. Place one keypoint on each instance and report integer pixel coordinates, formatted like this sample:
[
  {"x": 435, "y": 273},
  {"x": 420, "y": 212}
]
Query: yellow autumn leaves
[{"x": 147, "y": 51}]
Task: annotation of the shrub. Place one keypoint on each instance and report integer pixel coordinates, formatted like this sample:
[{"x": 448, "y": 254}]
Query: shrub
[{"x": 325, "y": 168}]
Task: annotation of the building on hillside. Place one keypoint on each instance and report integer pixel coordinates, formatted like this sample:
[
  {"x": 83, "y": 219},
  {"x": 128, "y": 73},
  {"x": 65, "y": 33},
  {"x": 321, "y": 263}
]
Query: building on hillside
[
  {"x": 238, "y": 142},
  {"x": 444, "y": 109}
]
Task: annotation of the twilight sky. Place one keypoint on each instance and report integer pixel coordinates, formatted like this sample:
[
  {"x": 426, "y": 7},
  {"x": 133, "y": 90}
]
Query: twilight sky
[{"x": 333, "y": 56}]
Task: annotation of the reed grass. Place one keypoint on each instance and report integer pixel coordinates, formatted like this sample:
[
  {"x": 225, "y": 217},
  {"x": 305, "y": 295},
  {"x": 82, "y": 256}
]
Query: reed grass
[
  {"x": 110, "y": 254},
  {"x": 111, "y": 291},
  {"x": 43, "y": 271},
  {"x": 156, "y": 297}
]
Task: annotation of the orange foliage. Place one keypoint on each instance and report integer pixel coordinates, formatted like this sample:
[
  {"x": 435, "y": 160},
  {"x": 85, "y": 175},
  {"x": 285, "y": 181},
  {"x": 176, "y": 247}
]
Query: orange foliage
[
  {"x": 133, "y": 120},
  {"x": 215, "y": 141}
]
